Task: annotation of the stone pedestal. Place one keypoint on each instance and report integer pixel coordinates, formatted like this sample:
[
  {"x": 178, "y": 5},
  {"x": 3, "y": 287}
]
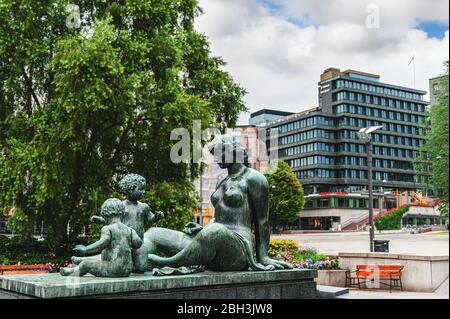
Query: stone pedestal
[{"x": 282, "y": 284}]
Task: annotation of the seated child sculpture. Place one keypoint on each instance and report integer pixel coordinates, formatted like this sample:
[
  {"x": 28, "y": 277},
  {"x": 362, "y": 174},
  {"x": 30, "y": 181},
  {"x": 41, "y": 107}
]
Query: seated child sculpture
[
  {"x": 116, "y": 245},
  {"x": 133, "y": 187}
]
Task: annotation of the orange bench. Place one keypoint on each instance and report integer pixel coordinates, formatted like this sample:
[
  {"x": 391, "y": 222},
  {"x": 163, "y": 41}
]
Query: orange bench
[
  {"x": 376, "y": 273},
  {"x": 25, "y": 269}
]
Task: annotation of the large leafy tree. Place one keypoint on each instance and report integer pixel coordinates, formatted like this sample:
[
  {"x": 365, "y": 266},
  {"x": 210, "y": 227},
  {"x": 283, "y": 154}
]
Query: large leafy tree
[
  {"x": 82, "y": 105},
  {"x": 433, "y": 157},
  {"x": 286, "y": 196}
]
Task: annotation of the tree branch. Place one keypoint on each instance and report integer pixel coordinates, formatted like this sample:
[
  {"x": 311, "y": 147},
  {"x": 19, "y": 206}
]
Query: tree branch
[{"x": 30, "y": 87}]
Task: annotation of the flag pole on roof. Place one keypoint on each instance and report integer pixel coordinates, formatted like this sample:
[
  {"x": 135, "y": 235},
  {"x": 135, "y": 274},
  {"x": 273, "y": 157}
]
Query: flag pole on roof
[{"x": 413, "y": 61}]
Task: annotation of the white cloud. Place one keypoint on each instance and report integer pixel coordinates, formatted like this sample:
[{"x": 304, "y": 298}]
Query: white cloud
[{"x": 280, "y": 62}]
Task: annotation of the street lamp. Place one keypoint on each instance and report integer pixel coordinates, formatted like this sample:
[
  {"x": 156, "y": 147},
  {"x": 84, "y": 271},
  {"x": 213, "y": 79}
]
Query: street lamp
[{"x": 364, "y": 134}]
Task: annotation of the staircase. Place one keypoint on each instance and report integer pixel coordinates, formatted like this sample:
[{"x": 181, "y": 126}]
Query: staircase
[
  {"x": 360, "y": 223},
  {"x": 356, "y": 224}
]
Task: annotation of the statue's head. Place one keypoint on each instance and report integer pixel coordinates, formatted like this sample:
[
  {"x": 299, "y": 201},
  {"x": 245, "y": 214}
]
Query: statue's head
[
  {"x": 133, "y": 186},
  {"x": 228, "y": 150},
  {"x": 112, "y": 207}
]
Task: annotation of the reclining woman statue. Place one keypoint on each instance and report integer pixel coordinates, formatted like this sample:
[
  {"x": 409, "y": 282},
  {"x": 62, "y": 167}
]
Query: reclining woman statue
[{"x": 227, "y": 242}]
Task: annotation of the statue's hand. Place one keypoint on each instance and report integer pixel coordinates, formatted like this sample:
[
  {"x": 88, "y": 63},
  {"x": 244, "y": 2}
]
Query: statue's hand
[
  {"x": 192, "y": 229},
  {"x": 159, "y": 215},
  {"x": 96, "y": 220},
  {"x": 80, "y": 249},
  {"x": 278, "y": 264}
]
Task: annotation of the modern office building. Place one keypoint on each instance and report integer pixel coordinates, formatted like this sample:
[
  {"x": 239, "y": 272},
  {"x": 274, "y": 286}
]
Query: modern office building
[
  {"x": 262, "y": 117},
  {"x": 322, "y": 147}
]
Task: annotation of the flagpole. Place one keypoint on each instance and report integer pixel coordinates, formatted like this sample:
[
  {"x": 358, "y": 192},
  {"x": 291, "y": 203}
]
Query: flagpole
[{"x": 413, "y": 60}]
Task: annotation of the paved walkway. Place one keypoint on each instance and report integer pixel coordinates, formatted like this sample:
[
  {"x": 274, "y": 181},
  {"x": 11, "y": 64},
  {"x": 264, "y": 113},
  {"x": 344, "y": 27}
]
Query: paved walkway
[
  {"x": 385, "y": 294},
  {"x": 430, "y": 244}
]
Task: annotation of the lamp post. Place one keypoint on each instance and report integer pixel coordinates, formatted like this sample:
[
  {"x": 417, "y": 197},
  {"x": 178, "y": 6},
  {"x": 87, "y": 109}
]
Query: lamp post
[{"x": 364, "y": 134}]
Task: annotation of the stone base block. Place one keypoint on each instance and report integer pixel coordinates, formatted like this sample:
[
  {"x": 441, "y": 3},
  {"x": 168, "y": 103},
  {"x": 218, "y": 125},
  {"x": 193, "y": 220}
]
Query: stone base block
[{"x": 282, "y": 284}]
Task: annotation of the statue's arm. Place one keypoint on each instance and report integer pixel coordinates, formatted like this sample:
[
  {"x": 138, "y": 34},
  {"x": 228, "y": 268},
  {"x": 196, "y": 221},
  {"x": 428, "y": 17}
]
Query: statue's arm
[
  {"x": 97, "y": 247},
  {"x": 97, "y": 220},
  {"x": 259, "y": 197},
  {"x": 136, "y": 241},
  {"x": 152, "y": 217}
]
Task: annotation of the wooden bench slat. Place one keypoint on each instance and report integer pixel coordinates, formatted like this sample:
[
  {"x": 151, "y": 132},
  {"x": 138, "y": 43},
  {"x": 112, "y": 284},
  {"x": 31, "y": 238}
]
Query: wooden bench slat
[
  {"x": 37, "y": 266},
  {"x": 24, "y": 272},
  {"x": 378, "y": 274},
  {"x": 380, "y": 267}
]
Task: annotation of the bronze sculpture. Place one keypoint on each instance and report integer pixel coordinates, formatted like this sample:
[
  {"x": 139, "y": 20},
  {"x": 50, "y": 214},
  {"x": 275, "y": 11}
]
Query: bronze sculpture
[
  {"x": 117, "y": 244},
  {"x": 135, "y": 212},
  {"x": 227, "y": 242}
]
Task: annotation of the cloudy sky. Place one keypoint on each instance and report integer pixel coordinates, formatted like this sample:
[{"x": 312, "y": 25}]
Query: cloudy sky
[{"x": 277, "y": 49}]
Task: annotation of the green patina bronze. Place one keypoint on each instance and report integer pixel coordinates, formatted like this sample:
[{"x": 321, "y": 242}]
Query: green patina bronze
[
  {"x": 117, "y": 244},
  {"x": 227, "y": 243},
  {"x": 135, "y": 212}
]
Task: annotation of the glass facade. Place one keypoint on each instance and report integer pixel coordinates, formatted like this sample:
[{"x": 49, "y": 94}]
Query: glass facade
[{"x": 323, "y": 148}]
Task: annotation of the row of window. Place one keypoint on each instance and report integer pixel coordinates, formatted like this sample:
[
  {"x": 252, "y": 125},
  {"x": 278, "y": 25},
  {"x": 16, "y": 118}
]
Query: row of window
[
  {"x": 397, "y": 140},
  {"x": 348, "y": 148},
  {"x": 306, "y": 136},
  {"x": 312, "y": 173},
  {"x": 394, "y": 152},
  {"x": 377, "y": 113},
  {"x": 350, "y": 161},
  {"x": 312, "y": 160},
  {"x": 358, "y": 122},
  {"x": 352, "y": 148},
  {"x": 355, "y": 174},
  {"x": 388, "y": 127},
  {"x": 307, "y": 148},
  {"x": 393, "y": 164},
  {"x": 310, "y": 121},
  {"x": 376, "y": 89},
  {"x": 340, "y": 202}
]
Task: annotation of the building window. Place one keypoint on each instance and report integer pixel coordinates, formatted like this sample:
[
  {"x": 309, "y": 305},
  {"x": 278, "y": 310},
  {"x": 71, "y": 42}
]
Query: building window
[{"x": 436, "y": 88}]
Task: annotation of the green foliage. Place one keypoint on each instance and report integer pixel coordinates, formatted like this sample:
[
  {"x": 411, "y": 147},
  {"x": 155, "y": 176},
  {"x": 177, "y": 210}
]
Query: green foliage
[
  {"x": 81, "y": 107},
  {"x": 443, "y": 209},
  {"x": 178, "y": 201},
  {"x": 286, "y": 196},
  {"x": 391, "y": 221},
  {"x": 301, "y": 257},
  {"x": 20, "y": 224},
  {"x": 277, "y": 246},
  {"x": 26, "y": 251},
  {"x": 434, "y": 154}
]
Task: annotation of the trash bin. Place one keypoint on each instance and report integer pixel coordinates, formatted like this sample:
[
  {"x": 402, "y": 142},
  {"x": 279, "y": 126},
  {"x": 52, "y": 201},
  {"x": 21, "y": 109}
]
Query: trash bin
[{"x": 381, "y": 246}]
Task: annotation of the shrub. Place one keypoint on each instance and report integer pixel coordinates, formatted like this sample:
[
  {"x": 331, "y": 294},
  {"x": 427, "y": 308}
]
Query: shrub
[
  {"x": 326, "y": 263},
  {"x": 277, "y": 246},
  {"x": 392, "y": 220},
  {"x": 307, "y": 258},
  {"x": 22, "y": 250}
]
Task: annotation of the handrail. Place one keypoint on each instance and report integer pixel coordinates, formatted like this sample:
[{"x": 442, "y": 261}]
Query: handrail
[{"x": 359, "y": 219}]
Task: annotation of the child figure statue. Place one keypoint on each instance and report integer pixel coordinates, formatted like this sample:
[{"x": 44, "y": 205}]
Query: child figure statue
[
  {"x": 116, "y": 245},
  {"x": 133, "y": 187}
]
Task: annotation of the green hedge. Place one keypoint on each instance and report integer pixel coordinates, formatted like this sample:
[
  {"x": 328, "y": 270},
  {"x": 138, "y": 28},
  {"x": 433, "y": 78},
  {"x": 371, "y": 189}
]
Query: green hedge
[
  {"x": 14, "y": 250},
  {"x": 391, "y": 221}
]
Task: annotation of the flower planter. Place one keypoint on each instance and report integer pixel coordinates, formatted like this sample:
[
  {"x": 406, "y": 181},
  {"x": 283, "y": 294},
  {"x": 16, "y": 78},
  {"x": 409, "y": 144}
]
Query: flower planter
[{"x": 335, "y": 278}]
